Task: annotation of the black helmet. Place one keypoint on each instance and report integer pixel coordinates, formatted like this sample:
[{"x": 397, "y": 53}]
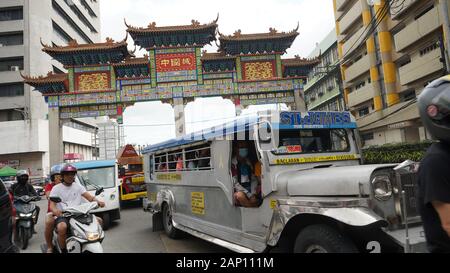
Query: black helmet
[{"x": 434, "y": 107}]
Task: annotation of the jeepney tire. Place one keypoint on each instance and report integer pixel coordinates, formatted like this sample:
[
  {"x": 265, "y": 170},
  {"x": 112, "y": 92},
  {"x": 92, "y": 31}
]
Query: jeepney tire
[
  {"x": 106, "y": 221},
  {"x": 325, "y": 237},
  {"x": 169, "y": 229}
]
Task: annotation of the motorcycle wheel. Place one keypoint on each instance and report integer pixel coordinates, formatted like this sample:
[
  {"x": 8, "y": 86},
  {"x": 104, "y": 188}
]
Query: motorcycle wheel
[{"x": 23, "y": 235}]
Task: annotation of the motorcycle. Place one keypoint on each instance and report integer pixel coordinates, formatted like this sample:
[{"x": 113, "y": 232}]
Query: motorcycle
[
  {"x": 26, "y": 215},
  {"x": 84, "y": 233}
]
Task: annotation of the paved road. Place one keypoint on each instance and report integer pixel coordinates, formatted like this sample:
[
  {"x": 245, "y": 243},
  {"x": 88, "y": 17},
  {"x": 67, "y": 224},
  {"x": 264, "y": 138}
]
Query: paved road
[{"x": 133, "y": 234}]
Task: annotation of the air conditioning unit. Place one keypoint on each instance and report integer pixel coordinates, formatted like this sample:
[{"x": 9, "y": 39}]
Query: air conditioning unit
[{"x": 15, "y": 68}]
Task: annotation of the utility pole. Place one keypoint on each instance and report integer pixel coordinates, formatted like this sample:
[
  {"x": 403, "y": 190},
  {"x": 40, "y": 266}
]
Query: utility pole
[{"x": 446, "y": 27}]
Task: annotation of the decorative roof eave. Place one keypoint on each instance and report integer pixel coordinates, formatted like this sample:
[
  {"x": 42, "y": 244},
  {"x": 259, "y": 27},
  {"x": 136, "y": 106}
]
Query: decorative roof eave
[
  {"x": 49, "y": 79},
  {"x": 144, "y": 61},
  {"x": 73, "y": 47},
  {"x": 195, "y": 26},
  {"x": 271, "y": 35},
  {"x": 297, "y": 61},
  {"x": 216, "y": 56}
]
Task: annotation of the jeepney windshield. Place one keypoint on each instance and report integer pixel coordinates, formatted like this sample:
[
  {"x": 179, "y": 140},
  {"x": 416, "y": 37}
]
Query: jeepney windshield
[
  {"x": 100, "y": 177},
  {"x": 306, "y": 141}
]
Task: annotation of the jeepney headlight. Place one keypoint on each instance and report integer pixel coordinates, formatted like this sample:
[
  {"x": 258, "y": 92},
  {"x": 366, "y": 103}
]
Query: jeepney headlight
[{"x": 382, "y": 187}]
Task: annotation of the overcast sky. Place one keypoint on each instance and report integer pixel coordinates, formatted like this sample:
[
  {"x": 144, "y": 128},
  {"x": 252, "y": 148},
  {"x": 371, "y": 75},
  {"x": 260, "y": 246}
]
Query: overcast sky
[{"x": 316, "y": 20}]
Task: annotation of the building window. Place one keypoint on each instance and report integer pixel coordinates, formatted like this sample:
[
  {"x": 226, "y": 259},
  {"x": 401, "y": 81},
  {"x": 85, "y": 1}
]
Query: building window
[
  {"x": 58, "y": 31},
  {"x": 11, "y": 115},
  {"x": 408, "y": 95},
  {"x": 366, "y": 137},
  {"x": 88, "y": 8},
  {"x": 11, "y": 64},
  {"x": 12, "y": 90},
  {"x": 11, "y": 14},
  {"x": 80, "y": 15},
  {"x": 429, "y": 49},
  {"x": 70, "y": 22},
  {"x": 363, "y": 112},
  {"x": 11, "y": 39}
]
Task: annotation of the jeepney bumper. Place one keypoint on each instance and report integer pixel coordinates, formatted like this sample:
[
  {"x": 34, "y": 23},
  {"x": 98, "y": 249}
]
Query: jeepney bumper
[{"x": 417, "y": 241}]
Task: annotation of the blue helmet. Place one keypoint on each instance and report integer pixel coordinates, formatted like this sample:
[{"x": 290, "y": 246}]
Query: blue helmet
[{"x": 55, "y": 170}]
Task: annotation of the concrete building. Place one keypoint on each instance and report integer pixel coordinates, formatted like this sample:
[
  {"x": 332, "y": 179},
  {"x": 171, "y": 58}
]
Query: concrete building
[
  {"x": 110, "y": 138},
  {"x": 386, "y": 63},
  {"x": 24, "y": 127},
  {"x": 323, "y": 91}
]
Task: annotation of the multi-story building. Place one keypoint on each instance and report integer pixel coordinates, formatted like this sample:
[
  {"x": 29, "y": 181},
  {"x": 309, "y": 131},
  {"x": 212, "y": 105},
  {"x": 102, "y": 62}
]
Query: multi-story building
[
  {"x": 110, "y": 138},
  {"x": 323, "y": 92},
  {"x": 24, "y": 128},
  {"x": 386, "y": 63}
]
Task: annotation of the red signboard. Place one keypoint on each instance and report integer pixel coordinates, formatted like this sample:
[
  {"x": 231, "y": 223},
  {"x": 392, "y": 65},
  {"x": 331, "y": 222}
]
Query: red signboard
[
  {"x": 175, "y": 62},
  {"x": 73, "y": 156}
]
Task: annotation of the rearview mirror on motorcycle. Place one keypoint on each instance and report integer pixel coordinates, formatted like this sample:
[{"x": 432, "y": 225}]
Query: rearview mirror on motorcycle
[
  {"x": 55, "y": 199},
  {"x": 99, "y": 191}
]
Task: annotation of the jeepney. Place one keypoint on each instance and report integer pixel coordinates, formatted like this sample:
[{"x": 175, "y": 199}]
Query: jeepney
[
  {"x": 316, "y": 194},
  {"x": 132, "y": 186}
]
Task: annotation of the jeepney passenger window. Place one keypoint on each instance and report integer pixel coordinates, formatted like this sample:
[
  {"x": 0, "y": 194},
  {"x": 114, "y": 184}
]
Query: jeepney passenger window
[
  {"x": 175, "y": 161},
  {"x": 161, "y": 162},
  {"x": 198, "y": 158}
]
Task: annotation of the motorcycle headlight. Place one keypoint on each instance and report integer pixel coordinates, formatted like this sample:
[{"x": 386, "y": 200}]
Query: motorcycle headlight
[
  {"x": 25, "y": 214},
  {"x": 92, "y": 236},
  {"x": 79, "y": 234},
  {"x": 382, "y": 187}
]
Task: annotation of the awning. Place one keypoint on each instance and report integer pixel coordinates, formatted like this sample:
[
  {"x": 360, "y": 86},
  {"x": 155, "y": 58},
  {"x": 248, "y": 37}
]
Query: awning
[{"x": 7, "y": 171}]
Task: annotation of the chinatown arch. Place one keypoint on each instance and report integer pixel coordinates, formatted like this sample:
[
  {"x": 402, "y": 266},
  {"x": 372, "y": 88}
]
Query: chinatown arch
[{"x": 103, "y": 79}]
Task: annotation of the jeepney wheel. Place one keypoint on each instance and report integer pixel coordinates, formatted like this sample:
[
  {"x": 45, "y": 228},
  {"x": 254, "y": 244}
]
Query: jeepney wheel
[
  {"x": 323, "y": 239},
  {"x": 170, "y": 230}
]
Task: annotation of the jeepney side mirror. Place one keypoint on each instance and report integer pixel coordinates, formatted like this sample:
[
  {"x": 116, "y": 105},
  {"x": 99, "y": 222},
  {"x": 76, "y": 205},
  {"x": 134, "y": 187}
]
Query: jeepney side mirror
[{"x": 265, "y": 137}]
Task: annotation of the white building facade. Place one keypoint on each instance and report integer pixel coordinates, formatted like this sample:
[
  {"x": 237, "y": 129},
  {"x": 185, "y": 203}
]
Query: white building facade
[{"x": 24, "y": 127}]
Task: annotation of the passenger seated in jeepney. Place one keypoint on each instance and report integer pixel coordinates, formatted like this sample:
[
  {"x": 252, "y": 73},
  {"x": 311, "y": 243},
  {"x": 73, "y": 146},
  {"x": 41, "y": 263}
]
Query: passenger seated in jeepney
[
  {"x": 204, "y": 159},
  {"x": 244, "y": 172}
]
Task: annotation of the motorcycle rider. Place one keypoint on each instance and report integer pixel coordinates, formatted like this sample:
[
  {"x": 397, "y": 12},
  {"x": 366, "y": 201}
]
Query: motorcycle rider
[
  {"x": 23, "y": 187},
  {"x": 434, "y": 172},
  {"x": 55, "y": 179},
  {"x": 71, "y": 195}
]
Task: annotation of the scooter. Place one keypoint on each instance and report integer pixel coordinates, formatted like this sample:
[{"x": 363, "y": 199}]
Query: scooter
[
  {"x": 84, "y": 233},
  {"x": 26, "y": 215}
]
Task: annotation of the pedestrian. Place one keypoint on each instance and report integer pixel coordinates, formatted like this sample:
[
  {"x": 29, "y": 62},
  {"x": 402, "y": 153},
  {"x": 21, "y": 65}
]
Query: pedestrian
[{"x": 434, "y": 171}]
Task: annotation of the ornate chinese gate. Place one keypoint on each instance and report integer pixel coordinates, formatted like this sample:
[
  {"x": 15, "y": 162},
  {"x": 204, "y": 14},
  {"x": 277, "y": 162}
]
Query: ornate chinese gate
[{"x": 105, "y": 78}]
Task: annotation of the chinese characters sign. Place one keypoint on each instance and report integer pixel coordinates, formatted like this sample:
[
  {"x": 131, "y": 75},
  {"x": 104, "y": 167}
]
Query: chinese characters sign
[
  {"x": 92, "y": 82},
  {"x": 175, "y": 62},
  {"x": 253, "y": 71}
]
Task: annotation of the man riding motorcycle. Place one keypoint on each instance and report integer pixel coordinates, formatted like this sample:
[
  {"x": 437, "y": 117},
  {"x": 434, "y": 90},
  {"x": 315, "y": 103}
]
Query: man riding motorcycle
[
  {"x": 70, "y": 194},
  {"x": 55, "y": 179},
  {"x": 23, "y": 187}
]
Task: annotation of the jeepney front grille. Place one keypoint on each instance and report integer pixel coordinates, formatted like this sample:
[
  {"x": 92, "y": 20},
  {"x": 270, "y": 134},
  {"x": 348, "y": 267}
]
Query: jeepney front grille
[{"x": 409, "y": 184}]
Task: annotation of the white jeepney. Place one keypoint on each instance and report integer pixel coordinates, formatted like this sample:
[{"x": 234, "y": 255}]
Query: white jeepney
[{"x": 316, "y": 194}]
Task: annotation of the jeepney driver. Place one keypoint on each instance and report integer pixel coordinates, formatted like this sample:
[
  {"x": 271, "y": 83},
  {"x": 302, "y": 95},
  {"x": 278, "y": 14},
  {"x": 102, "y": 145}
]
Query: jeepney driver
[
  {"x": 71, "y": 194},
  {"x": 434, "y": 172},
  {"x": 243, "y": 171}
]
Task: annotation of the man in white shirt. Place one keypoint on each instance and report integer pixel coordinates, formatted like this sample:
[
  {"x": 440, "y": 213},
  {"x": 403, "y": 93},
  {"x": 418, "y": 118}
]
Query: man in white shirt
[{"x": 71, "y": 194}]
